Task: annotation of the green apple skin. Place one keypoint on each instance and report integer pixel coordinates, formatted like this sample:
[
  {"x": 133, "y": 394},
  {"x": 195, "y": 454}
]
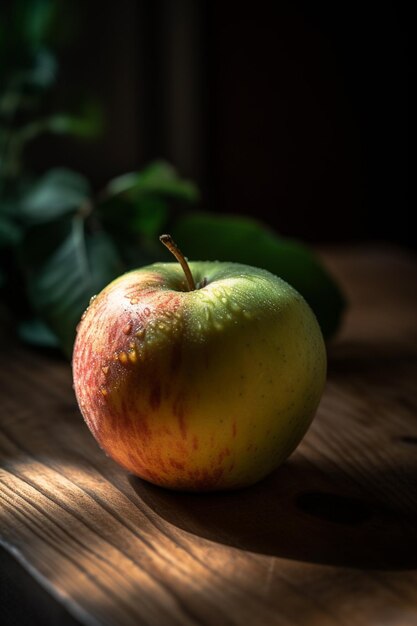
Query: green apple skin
[{"x": 199, "y": 390}]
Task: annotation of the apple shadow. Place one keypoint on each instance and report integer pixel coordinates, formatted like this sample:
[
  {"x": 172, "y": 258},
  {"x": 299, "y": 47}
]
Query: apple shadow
[{"x": 301, "y": 513}]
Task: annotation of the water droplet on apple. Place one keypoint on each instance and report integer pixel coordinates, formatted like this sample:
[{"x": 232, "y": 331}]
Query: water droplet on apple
[
  {"x": 105, "y": 369},
  {"x": 123, "y": 358},
  {"x": 104, "y": 391},
  {"x": 92, "y": 299},
  {"x": 140, "y": 333},
  {"x": 147, "y": 311},
  {"x": 128, "y": 328},
  {"x": 132, "y": 355}
]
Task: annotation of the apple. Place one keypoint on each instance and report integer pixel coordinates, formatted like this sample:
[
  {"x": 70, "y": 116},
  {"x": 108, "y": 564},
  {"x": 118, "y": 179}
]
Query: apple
[{"x": 200, "y": 376}]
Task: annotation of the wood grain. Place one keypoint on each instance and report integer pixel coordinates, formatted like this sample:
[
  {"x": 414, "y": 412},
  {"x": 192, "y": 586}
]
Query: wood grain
[{"x": 330, "y": 538}]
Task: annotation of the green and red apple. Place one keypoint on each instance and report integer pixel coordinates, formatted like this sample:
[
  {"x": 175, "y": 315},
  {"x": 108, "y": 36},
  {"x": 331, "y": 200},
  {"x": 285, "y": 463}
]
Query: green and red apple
[{"x": 203, "y": 380}]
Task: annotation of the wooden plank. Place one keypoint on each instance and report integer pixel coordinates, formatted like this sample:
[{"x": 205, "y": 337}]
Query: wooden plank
[
  {"x": 329, "y": 538},
  {"x": 23, "y": 601}
]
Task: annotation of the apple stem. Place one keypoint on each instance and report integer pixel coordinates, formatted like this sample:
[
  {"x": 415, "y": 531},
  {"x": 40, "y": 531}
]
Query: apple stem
[{"x": 168, "y": 241}]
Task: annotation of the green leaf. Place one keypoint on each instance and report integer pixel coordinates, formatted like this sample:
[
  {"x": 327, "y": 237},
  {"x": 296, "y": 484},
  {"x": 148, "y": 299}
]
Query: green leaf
[
  {"x": 42, "y": 73},
  {"x": 152, "y": 215},
  {"x": 158, "y": 178},
  {"x": 35, "y": 72},
  {"x": 86, "y": 124},
  {"x": 10, "y": 233},
  {"x": 225, "y": 238},
  {"x": 41, "y": 240},
  {"x": 36, "y": 20},
  {"x": 27, "y": 24},
  {"x": 61, "y": 288},
  {"x": 58, "y": 192},
  {"x": 36, "y": 333},
  {"x": 135, "y": 208},
  {"x": 134, "y": 228}
]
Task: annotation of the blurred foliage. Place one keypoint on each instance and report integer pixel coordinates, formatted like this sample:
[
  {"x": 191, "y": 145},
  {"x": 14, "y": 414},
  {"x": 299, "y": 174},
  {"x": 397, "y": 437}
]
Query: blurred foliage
[{"x": 60, "y": 243}]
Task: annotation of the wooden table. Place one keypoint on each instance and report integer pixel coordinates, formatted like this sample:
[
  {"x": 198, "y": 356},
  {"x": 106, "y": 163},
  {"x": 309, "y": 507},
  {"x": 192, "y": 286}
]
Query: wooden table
[{"x": 330, "y": 538}]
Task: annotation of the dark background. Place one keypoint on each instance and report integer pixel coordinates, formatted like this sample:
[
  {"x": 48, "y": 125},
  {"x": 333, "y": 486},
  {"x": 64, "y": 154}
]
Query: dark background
[{"x": 292, "y": 112}]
